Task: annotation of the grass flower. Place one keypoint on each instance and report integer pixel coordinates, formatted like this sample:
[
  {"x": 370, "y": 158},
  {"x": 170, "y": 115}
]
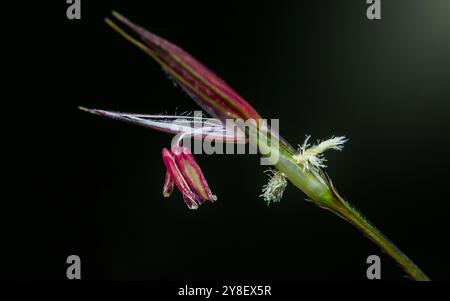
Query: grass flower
[
  {"x": 184, "y": 172},
  {"x": 311, "y": 157},
  {"x": 274, "y": 189},
  {"x": 217, "y": 98},
  {"x": 303, "y": 168}
]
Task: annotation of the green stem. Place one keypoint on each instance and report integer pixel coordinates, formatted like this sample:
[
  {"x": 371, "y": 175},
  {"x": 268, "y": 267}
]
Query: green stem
[
  {"x": 359, "y": 221},
  {"x": 322, "y": 192}
]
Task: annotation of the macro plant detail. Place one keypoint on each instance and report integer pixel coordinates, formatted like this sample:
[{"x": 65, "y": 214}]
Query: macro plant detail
[
  {"x": 184, "y": 172},
  {"x": 303, "y": 167}
]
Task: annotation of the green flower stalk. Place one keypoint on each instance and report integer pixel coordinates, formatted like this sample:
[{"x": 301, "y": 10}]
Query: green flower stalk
[{"x": 302, "y": 167}]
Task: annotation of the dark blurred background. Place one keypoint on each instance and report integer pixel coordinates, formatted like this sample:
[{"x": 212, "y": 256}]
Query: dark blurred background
[{"x": 79, "y": 184}]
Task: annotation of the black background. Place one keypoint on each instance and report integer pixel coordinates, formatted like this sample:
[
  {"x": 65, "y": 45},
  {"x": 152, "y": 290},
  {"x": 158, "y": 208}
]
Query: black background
[{"x": 79, "y": 184}]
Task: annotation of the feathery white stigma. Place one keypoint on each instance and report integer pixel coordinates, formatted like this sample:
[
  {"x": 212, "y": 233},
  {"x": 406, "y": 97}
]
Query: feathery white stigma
[
  {"x": 312, "y": 157},
  {"x": 273, "y": 190}
]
